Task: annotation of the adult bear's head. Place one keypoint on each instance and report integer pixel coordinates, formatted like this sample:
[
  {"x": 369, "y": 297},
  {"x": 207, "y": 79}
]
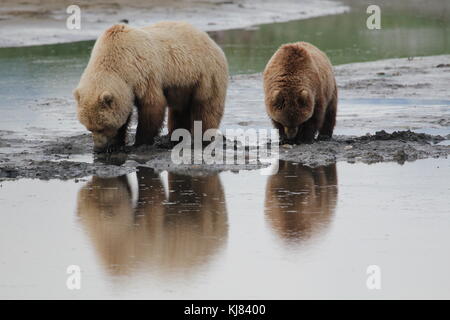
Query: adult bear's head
[{"x": 104, "y": 107}]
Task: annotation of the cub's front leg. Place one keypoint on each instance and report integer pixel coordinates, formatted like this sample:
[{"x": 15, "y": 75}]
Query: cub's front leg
[
  {"x": 282, "y": 135},
  {"x": 307, "y": 132}
]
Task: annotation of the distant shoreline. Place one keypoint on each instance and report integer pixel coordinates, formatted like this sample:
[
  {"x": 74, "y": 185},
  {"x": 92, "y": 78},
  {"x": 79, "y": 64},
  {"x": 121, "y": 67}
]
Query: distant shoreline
[{"x": 37, "y": 23}]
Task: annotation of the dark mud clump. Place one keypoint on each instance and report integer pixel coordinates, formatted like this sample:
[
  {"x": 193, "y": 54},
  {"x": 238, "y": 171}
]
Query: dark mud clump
[
  {"x": 399, "y": 146},
  {"x": 60, "y": 159},
  {"x": 404, "y": 136}
]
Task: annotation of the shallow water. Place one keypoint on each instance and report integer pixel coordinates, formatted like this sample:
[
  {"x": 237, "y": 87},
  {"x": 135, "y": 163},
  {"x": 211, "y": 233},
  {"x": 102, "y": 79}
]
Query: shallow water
[{"x": 299, "y": 233}]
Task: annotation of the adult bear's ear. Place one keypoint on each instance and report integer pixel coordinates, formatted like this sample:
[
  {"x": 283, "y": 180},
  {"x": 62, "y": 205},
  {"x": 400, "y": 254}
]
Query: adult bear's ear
[
  {"x": 76, "y": 94},
  {"x": 106, "y": 99}
]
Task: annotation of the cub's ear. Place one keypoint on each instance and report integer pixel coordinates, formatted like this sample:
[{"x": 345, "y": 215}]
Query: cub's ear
[
  {"x": 304, "y": 94},
  {"x": 277, "y": 99},
  {"x": 106, "y": 99},
  {"x": 275, "y": 94},
  {"x": 305, "y": 99},
  {"x": 76, "y": 94}
]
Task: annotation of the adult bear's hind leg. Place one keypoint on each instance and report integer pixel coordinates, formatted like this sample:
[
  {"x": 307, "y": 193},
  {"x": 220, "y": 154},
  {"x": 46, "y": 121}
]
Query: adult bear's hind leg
[
  {"x": 207, "y": 106},
  {"x": 179, "y": 100},
  {"x": 179, "y": 120}
]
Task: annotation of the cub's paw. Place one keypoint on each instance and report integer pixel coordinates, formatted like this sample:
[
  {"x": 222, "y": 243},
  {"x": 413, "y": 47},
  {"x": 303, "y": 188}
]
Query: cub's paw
[
  {"x": 322, "y": 137},
  {"x": 283, "y": 141}
]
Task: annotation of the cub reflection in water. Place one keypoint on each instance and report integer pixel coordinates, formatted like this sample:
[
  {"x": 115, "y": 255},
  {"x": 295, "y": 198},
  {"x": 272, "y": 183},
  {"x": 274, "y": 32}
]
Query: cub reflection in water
[
  {"x": 166, "y": 234},
  {"x": 300, "y": 201}
]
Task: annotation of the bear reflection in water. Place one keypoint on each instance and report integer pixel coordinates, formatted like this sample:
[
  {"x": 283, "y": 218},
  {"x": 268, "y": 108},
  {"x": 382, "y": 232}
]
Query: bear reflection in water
[
  {"x": 300, "y": 201},
  {"x": 164, "y": 233}
]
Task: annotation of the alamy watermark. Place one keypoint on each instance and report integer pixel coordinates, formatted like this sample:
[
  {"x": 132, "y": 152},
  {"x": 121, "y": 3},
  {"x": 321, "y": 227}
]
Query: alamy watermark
[
  {"x": 373, "y": 281},
  {"x": 73, "y": 281},
  {"x": 73, "y": 21},
  {"x": 373, "y": 22},
  {"x": 235, "y": 147}
]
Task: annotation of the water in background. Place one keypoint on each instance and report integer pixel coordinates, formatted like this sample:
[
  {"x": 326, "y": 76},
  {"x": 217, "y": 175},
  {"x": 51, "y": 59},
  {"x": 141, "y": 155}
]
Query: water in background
[{"x": 406, "y": 31}]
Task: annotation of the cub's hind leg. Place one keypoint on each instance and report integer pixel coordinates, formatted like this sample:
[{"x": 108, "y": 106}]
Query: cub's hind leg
[{"x": 326, "y": 131}]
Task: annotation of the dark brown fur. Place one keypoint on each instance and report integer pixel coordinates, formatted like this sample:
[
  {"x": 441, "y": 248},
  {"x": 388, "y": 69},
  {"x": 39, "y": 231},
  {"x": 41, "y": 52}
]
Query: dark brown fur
[{"x": 301, "y": 93}]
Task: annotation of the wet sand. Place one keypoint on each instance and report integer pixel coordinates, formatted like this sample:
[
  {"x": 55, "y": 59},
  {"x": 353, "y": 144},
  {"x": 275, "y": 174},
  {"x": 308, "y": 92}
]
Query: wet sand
[{"x": 28, "y": 23}]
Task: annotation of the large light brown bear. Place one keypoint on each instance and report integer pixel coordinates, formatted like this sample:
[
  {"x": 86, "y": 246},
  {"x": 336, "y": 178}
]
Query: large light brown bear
[
  {"x": 168, "y": 64},
  {"x": 300, "y": 93}
]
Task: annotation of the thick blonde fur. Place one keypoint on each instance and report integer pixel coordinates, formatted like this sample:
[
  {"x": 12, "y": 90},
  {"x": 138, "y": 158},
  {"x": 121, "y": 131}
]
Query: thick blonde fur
[
  {"x": 168, "y": 64},
  {"x": 300, "y": 92}
]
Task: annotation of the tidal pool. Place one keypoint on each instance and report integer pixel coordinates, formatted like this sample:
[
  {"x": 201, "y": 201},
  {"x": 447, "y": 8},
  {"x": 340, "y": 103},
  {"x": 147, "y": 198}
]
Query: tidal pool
[{"x": 298, "y": 233}]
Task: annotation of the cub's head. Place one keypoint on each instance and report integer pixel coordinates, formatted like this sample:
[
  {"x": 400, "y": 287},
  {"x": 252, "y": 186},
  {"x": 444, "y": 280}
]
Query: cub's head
[
  {"x": 106, "y": 113},
  {"x": 291, "y": 108}
]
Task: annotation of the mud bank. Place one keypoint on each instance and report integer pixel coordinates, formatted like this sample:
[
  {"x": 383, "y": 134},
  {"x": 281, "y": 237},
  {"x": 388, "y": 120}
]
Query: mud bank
[
  {"x": 73, "y": 157},
  {"x": 65, "y": 151},
  {"x": 57, "y": 160},
  {"x": 44, "y": 22},
  {"x": 399, "y": 146}
]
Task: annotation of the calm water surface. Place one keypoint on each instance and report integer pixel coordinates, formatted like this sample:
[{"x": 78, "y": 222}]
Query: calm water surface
[{"x": 298, "y": 233}]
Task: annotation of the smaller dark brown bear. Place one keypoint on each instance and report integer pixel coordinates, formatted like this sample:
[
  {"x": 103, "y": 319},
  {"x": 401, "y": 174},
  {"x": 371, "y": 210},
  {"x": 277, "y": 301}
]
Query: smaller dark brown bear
[{"x": 300, "y": 93}]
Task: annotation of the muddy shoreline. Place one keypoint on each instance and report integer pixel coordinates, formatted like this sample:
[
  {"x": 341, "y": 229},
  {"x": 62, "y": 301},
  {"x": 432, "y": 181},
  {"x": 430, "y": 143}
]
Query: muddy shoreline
[
  {"x": 54, "y": 160},
  {"x": 48, "y": 155}
]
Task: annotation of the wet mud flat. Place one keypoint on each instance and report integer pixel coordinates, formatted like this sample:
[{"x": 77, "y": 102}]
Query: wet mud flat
[
  {"x": 48, "y": 153},
  {"x": 58, "y": 159}
]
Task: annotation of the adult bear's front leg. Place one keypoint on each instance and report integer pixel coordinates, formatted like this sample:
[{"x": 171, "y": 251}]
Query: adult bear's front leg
[{"x": 151, "y": 114}]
